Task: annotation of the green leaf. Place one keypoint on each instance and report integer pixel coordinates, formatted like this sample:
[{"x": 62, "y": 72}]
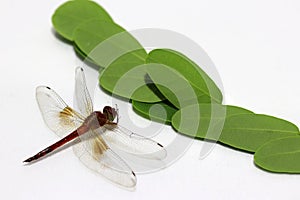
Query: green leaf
[
  {"x": 71, "y": 14},
  {"x": 173, "y": 86},
  {"x": 241, "y": 129},
  {"x": 249, "y": 132},
  {"x": 205, "y": 89},
  {"x": 110, "y": 46},
  {"x": 160, "y": 112},
  {"x": 126, "y": 77},
  {"x": 198, "y": 120},
  {"x": 280, "y": 155},
  {"x": 103, "y": 42}
]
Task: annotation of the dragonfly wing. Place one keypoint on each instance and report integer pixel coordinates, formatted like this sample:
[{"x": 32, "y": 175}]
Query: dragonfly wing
[
  {"x": 58, "y": 116},
  {"x": 94, "y": 153},
  {"x": 127, "y": 141},
  {"x": 83, "y": 100}
]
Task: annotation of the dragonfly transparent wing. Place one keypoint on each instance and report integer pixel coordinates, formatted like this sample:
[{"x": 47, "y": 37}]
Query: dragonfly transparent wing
[
  {"x": 94, "y": 153},
  {"x": 127, "y": 141},
  {"x": 83, "y": 101},
  {"x": 58, "y": 116}
]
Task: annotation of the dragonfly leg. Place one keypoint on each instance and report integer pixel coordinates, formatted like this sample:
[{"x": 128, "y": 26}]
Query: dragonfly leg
[{"x": 117, "y": 113}]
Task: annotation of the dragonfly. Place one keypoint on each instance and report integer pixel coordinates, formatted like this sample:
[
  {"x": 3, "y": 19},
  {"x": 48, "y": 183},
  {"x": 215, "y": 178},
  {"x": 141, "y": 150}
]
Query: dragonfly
[{"x": 98, "y": 132}]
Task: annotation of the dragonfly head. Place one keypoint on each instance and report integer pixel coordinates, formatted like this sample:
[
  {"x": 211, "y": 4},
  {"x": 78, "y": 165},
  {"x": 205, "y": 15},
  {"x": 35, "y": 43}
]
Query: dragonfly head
[{"x": 110, "y": 113}]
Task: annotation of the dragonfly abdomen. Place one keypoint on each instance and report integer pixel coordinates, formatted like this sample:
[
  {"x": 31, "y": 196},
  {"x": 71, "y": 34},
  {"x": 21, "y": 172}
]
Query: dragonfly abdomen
[{"x": 56, "y": 145}]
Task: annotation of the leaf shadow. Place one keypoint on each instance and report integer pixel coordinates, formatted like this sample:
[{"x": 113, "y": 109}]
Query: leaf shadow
[
  {"x": 277, "y": 173},
  {"x": 60, "y": 38},
  {"x": 235, "y": 148},
  {"x": 86, "y": 61},
  {"x": 124, "y": 99},
  {"x": 81, "y": 55},
  {"x": 148, "y": 83},
  {"x": 151, "y": 85}
]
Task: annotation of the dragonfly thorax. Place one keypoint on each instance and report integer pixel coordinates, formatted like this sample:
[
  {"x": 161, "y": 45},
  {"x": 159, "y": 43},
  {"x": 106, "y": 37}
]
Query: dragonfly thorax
[{"x": 95, "y": 120}]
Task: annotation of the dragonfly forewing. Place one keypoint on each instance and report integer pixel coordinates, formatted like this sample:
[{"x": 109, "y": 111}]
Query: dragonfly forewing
[
  {"x": 83, "y": 101},
  {"x": 58, "y": 116}
]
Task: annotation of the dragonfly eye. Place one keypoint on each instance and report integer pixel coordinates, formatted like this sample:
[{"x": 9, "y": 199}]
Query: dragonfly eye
[{"x": 110, "y": 113}]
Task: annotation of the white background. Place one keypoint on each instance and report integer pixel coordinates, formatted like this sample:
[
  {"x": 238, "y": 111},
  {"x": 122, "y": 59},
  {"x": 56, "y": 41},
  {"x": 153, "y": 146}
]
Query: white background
[{"x": 254, "y": 44}]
